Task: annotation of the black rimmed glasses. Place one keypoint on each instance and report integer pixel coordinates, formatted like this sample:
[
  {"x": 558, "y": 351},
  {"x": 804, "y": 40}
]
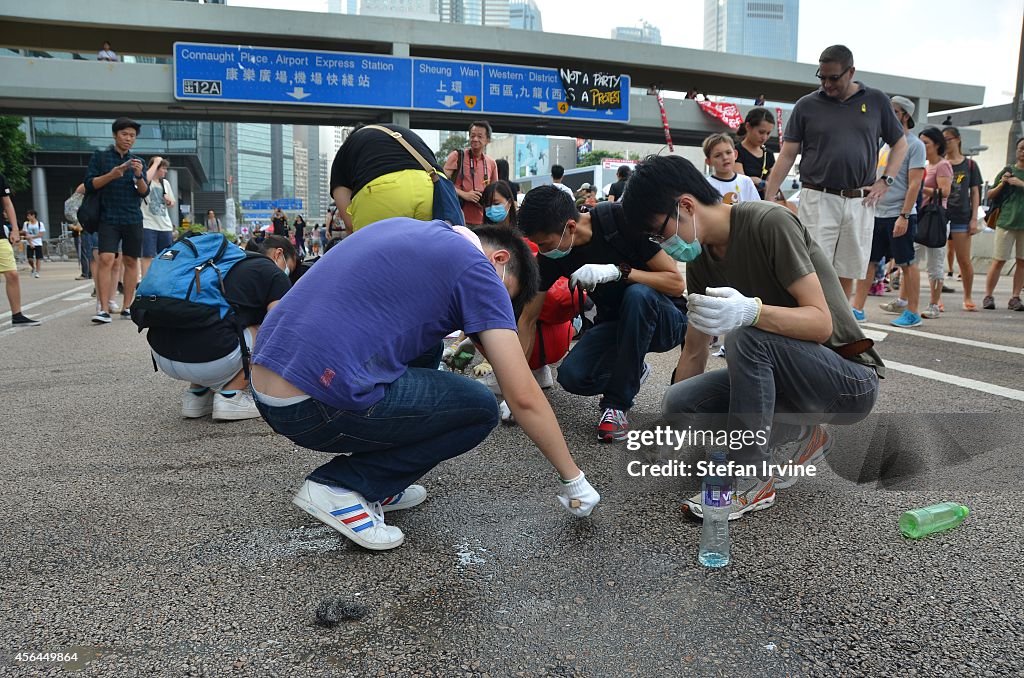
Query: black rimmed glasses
[{"x": 832, "y": 78}]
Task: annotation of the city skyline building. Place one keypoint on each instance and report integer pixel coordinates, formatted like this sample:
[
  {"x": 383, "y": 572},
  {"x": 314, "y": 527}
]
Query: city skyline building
[
  {"x": 416, "y": 10},
  {"x": 525, "y": 15},
  {"x": 645, "y": 33},
  {"x": 752, "y": 27},
  {"x": 475, "y": 12}
]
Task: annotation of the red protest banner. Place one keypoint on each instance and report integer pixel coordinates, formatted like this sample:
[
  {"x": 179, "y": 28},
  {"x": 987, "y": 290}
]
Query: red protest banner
[{"x": 727, "y": 113}]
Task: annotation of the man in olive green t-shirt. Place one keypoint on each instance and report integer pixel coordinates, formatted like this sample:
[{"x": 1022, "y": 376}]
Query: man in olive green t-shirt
[{"x": 796, "y": 356}]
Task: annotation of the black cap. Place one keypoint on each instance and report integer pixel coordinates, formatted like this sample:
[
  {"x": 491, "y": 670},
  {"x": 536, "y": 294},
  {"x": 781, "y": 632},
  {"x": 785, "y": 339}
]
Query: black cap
[{"x": 125, "y": 123}]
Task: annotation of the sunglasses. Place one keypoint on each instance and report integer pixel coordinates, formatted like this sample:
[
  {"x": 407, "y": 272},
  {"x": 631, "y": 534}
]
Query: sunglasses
[{"x": 831, "y": 78}]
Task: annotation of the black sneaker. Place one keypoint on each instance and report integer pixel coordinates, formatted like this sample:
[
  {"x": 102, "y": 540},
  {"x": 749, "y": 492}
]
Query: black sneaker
[
  {"x": 126, "y": 315},
  {"x": 101, "y": 318},
  {"x": 19, "y": 320}
]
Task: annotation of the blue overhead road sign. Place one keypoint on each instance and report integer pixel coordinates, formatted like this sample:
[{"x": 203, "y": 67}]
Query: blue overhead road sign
[
  {"x": 294, "y": 76},
  {"x": 442, "y": 85},
  {"x": 526, "y": 90},
  {"x": 290, "y": 76}
]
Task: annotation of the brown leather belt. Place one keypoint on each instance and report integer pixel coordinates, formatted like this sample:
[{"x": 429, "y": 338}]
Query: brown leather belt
[{"x": 843, "y": 192}]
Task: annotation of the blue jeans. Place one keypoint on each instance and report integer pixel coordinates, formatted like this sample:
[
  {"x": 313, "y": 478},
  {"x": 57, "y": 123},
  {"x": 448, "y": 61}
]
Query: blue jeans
[
  {"x": 609, "y": 358},
  {"x": 425, "y": 417},
  {"x": 777, "y": 384},
  {"x": 86, "y": 241}
]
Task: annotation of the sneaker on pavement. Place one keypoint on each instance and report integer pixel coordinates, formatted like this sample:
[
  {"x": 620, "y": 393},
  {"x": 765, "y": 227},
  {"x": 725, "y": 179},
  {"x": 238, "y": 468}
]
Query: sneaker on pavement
[
  {"x": 859, "y": 315},
  {"x": 894, "y": 306},
  {"x": 126, "y": 315},
  {"x": 750, "y": 494},
  {"x": 809, "y": 450},
  {"x": 234, "y": 407},
  {"x": 644, "y": 373},
  {"x": 1015, "y": 304},
  {"x": 931, "y": 313},
  {"x": 988, "y": 303},
  {"x": 35, "y": 274},
  {"x": 350, "y": 514},
  {"x": 946, "y": 289},
  {"x": 877, "y": 289},
  {"x": 720, "y": 353},
  {"x": 543, "y": 376},
  {"x": 21, "y": 320},
  {"x": 101, "y": 317},
  {"x": 113, "y": 306},
  {"x": 907, "y": 319},
  {"x": 195, "y": 405},
  {"x": 613, "y": 426},
  {"x": 414, "y": 495}
]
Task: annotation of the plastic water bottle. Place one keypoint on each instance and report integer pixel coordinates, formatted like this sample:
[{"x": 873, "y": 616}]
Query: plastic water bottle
[
  {"x": 716, "y": 499},
  {"x": 921, "y": 522}
]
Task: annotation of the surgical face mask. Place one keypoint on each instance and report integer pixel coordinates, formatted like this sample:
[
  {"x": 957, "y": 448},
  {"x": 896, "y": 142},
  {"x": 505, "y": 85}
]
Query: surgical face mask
[
  {"x": 287, "y": 270},
  {"x": 679, "y": 249},
  {"x": 557, "y": 253},
  {"x": 496, "y": 213}
]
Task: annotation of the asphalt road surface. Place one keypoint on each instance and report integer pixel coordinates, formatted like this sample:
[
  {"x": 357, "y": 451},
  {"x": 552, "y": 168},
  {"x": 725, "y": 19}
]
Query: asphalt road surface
[{"x": 145, "y": 544}]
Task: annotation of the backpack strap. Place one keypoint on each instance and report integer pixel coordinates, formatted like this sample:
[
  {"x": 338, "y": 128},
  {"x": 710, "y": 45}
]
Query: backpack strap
[
  {"x": 613, "y": 224},
  {"x": 397, "y": 136}
]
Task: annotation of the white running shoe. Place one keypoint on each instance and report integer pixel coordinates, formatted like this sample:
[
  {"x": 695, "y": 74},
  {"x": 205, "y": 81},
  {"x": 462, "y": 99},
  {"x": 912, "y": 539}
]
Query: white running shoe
[
  {"x": 543, "y": 376},
  {"x": 750, "y": 494},
  {"x": 195, "y": 405},
  {"x": 234, "y": 408},
  {"x": 807, "y": 451},
  {"x": 350, "y": 514},
  {"x": 414, "y": 495}
]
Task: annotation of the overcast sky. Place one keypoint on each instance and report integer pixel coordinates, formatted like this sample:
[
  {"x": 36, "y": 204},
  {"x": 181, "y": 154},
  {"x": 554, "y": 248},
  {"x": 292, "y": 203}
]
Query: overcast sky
[{"x": 975, "y": 42}]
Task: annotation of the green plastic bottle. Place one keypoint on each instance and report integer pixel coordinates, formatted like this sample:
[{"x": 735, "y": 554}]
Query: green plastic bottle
[{"x": 921, "y": 522}]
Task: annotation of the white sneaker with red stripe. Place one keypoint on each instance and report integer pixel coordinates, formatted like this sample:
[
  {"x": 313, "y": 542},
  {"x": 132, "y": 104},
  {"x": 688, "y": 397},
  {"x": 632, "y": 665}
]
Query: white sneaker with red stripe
[
  {"x": 350, "y": 514},
  {"x": 807, "y": 451},
  {"x": 414, "y": 495},
  {"x": 750, "y": 494}
]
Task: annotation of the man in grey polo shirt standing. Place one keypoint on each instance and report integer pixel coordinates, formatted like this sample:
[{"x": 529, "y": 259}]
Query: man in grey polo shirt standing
[{"x": 836, "y": 130}]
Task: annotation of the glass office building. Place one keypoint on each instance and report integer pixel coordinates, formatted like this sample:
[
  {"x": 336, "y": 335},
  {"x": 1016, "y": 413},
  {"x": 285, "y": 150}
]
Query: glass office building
[{"x": 758, "y": 28}]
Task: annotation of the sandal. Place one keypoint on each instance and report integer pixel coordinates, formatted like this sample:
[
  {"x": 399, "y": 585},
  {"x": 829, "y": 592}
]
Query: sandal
[{"x": 969, "y": 306}]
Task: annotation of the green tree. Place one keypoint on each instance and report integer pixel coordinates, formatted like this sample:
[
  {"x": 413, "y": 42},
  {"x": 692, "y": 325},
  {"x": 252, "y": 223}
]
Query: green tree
[
  {"x": 14, "y": 152},
  {"x": 595, "y": 157},
  {"x": 452, "y": 143}
]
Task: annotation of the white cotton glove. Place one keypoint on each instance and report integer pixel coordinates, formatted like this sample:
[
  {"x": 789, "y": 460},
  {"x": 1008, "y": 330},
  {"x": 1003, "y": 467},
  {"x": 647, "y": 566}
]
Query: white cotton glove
[
  {"x": 720, "y": 310},
  {"x": 590, "y": 276},
  {"x": 506, "y": 414},
  {"x": 578, "y": 496},
  {"x": 482, "y": 369}
]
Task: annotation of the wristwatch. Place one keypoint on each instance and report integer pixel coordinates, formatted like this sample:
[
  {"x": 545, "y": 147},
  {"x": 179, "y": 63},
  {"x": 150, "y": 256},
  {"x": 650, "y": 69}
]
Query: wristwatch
[
  {"x": 889, "y": 181},
  {"x": 624, "y": 271},
  {"x": 905, "y": 215}
]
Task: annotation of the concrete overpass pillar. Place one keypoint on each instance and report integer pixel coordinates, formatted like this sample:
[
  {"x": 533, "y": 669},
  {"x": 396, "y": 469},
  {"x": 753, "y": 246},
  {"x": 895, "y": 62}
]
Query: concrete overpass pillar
[
  {"x": 400, "y": 49},
  {"x": 39, "y": 200},
  {"x": 921, "y": 113},
  {"x": 174, "y": 212}
]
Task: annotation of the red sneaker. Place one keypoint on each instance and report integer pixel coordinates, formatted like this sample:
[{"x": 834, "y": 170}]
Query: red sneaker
[{"x": 613, "y": 426}]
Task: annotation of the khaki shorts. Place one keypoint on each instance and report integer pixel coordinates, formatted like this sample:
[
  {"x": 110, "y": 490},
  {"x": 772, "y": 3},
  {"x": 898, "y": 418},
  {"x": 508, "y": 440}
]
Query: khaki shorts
[
  {"x": 842, "y": 227},
  {"x": 7, "y": 262},
  {"x": 1006, "y": 242}
]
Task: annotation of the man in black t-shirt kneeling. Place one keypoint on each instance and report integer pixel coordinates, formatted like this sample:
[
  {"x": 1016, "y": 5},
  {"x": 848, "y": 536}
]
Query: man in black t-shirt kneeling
[
  {"x": 636, "y": 287},
  {"x": 211, "y": 358}
]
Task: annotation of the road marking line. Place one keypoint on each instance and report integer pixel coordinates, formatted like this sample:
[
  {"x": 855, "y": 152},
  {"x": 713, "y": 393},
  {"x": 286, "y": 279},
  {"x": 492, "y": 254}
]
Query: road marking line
[
  {"x": 954, "y": 380},
  {"x": 7, "y": 315},
  {"x": 875, "y": 336},
  {"x": 54, "y": 316},
  {"x": 951, "y": 340}
]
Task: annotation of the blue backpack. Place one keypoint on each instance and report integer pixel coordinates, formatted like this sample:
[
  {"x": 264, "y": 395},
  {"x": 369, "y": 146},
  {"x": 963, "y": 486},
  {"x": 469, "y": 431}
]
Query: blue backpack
[{"x": 184, "y": 286}]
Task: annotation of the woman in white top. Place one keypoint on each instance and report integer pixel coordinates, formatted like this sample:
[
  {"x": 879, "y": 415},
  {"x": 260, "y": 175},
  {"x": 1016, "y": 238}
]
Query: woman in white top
[
  {"x": 106, "y": 54},
  {"x": 34, "y": 231}
]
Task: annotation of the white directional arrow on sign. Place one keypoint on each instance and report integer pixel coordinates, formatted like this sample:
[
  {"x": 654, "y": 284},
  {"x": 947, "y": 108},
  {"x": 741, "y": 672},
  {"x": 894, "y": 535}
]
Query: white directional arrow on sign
[
  {"x": 543, "y": 107},
  {"x": 298, "y": 93},
  {"x": 448, "y": 101}
]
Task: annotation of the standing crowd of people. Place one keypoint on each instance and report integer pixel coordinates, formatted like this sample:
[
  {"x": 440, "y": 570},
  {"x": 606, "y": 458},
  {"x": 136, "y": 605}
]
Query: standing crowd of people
[{"x": 422, "y": 249}]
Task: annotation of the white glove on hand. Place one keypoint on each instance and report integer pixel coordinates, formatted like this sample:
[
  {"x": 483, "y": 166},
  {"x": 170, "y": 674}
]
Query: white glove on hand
[
  {"x": 590, "y": 276},
  {"x": 578, "y": 496},
  {"x": 506, "y": 414},
  {"x": 721, "y": 310},
  {"x": 482, "y": 369}
]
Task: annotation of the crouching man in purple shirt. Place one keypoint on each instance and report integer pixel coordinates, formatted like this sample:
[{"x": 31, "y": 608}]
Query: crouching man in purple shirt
[{"x": 373, "y": 396}]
